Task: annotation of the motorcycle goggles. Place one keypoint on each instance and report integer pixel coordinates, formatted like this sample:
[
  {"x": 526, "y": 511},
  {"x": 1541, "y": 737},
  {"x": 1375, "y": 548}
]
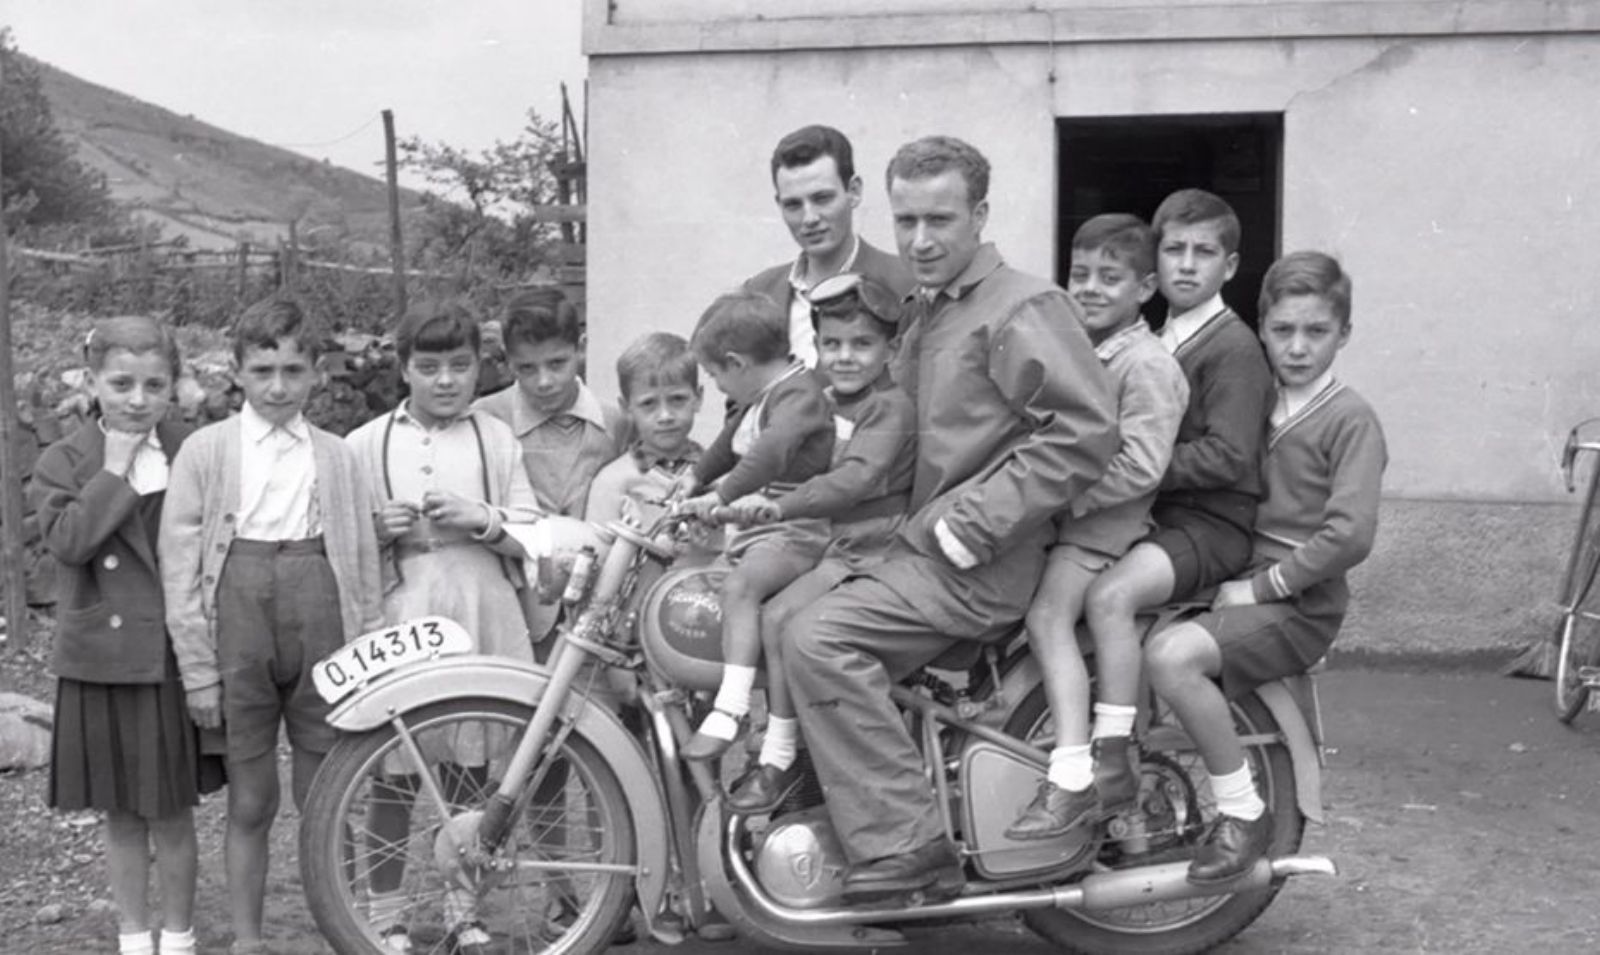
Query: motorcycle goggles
[{"x": 845, "y": 294}]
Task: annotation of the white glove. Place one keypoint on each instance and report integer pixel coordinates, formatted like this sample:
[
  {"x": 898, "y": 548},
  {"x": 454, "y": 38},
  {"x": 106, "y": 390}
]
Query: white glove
[{"x": 954, "y": 550}]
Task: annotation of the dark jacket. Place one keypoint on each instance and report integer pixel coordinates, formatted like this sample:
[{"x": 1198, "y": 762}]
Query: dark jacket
[
  {"x": 877, "y": 265},
  {"x": 110, "y": 616}
]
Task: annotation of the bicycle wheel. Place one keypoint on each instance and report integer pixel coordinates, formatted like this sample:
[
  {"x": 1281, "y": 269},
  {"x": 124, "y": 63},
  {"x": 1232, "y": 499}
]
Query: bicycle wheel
[
  {"x": 1578, "y": 646},
  {"x": 378, "y": 856}
]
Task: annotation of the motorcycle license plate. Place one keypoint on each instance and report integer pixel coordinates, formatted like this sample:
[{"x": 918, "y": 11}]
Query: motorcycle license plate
[{"x": 373, "y": 654}]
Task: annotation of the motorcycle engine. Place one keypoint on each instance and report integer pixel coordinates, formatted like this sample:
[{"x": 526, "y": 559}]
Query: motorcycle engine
[{"x": 799, "y": 861}]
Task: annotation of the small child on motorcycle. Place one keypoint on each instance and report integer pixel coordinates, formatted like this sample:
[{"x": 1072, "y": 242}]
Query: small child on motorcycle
[
  {"x": 779, "y": 434},
  {"x": 1111, "y": 275},
  {"x": 1323, "y": 470},
  {"x": 864, "y": 494}
]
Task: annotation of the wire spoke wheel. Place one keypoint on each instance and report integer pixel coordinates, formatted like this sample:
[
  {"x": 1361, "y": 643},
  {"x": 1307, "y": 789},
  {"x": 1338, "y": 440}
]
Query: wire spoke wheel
[{"x": 379, "y": 855}]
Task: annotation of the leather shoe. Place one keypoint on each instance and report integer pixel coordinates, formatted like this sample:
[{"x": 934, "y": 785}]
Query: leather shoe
[
  {"x": 934, "y": 866},
  {"x": 1115, "y": 777},
  {"x": 763, "y": 790},
  {"x": 1231, "y": 849},
  {"x": 704, "y": 746},
  {"x": 1055, "y": 812}
]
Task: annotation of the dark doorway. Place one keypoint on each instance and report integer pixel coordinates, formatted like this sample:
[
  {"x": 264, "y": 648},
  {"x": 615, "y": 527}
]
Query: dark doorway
[{"x": 1131, "y": 163}]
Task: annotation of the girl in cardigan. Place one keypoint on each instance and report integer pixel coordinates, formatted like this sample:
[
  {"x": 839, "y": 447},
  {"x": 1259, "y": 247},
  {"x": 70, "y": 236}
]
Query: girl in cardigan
[{"x": 124, "y": 743}]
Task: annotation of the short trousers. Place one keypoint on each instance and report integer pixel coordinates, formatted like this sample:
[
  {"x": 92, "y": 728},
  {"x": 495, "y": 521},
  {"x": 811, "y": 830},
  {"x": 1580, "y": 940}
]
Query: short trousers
[
  {"x": 278, "y": 613},
  {"x": 1088, "y": 558},
  {"x": 1205, "y": 550},
  {"x": 1265, "y": 642}
]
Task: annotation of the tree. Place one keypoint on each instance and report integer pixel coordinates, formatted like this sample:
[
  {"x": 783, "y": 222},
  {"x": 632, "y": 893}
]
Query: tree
[
  {"x": 482, "y": 217},
  {"x": 44, "y": 183}
]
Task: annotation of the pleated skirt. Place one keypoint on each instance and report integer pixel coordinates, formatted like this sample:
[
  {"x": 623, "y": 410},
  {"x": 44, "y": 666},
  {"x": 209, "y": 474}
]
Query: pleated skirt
[{"x": 127, "y": 747}]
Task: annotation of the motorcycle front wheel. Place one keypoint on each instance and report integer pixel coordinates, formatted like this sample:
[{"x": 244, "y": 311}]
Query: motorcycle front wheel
[
  {"x": 380, "y": 855},
  {"x": 1177, "y": 806}
]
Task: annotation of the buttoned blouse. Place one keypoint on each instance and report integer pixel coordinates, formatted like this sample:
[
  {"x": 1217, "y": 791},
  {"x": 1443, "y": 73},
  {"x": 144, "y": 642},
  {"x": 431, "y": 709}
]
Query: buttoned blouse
[
  {"x": 277, "y": 479},
  {"x": 446, "y": 458}
]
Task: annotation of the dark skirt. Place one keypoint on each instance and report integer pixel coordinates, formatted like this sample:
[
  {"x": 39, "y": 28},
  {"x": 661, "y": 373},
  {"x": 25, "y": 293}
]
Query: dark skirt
[{"x": 127, "y": 747}]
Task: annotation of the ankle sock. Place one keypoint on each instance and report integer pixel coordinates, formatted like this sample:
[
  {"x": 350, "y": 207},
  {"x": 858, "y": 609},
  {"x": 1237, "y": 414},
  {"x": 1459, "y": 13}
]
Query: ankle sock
[
  {"x": 1236, "y": 795},
  {"x": 782, "y": 742},
  {"x": 1071, "y": 768},
  {"x": 732, "y": 702},
  {"x": 1113, "y": 719},
  {"x": 177, "y": 943},
  {"x": 136, "y": 943}
]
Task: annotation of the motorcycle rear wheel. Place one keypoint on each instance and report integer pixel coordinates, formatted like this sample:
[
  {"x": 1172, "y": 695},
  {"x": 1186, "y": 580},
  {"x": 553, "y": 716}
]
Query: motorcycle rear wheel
[
  {"x": 578, "y": 815},
  {"x": 1195, "y": 925}
]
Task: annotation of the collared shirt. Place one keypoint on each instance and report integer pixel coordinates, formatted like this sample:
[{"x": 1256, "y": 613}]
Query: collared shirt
[
  {"x": 802, "y": 336},
  {"x": 561, "y": 451},
  {"x": 149, "y": 470},
  {"x": 1181, "y": 327},
  {"x": 445, "y": 457},
  {"x": 277, "y": 479},
  {"x": 1292, "y": 398}
]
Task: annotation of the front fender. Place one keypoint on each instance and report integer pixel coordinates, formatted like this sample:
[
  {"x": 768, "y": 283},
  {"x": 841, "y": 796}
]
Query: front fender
[{"x": 499, "y": 678}]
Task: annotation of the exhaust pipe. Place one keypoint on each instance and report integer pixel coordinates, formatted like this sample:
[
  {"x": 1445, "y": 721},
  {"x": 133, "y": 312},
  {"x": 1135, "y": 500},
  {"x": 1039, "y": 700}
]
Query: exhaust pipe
[{"x": 1167, "y": 882}]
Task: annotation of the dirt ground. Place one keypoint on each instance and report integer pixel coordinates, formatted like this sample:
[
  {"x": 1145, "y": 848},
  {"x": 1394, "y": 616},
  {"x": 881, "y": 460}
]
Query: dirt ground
[{"x": 1458, "y": 813}]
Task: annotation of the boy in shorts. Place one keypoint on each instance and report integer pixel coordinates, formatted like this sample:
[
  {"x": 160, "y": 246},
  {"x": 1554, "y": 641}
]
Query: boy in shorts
[
  {"x": 779, "y": 435},
  {"x": 1206, "y": 503},
  {"x": 269, "y": 562},
  {"x": 864, "y": 496},
  {"x": 1112, "y": 274},
  {"x": 1323, "y": 470},
  {"x": 659, "y": 380}
]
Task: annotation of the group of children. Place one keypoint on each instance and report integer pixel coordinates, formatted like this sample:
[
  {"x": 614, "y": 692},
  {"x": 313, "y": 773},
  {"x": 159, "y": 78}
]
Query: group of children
[{"x": 204, "y": 574}]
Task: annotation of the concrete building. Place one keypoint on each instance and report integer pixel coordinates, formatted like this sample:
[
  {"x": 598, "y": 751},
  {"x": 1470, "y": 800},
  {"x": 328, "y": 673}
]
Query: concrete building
[{"x": 1448, "y": 151}]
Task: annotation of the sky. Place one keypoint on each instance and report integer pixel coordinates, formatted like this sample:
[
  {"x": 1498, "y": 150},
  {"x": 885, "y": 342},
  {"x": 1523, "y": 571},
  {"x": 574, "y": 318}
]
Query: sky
[{"x": 313, "y": 75}]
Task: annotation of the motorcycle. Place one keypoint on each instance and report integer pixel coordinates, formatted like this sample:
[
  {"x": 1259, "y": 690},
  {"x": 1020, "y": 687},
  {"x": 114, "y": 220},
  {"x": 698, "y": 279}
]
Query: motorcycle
[{"x": 542, "y": 802}]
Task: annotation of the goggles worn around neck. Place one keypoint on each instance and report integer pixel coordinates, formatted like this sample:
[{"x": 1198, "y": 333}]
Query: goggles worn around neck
[{"x": 842, "y": 295}]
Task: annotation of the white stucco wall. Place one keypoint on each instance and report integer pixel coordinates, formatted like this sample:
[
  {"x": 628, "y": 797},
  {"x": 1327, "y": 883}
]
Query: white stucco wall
[{"x": 1457, "y": 176}]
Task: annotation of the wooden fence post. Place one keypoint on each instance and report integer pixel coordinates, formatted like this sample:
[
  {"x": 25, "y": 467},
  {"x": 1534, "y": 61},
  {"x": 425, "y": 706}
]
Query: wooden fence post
[
  {"x": 397, "y": 251},
  {"x": 11, "y": 543}
]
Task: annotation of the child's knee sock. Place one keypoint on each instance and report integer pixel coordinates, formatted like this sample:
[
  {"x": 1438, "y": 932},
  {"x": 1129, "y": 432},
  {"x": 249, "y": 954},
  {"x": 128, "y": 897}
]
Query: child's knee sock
[
  {"x": 732, "y": 702},
  {"x": 1071, "y": 768},
  {"x": 1113, "y": 719},
  {"x": 177, "y": 943},
  {"x": 782, "y": 742},
  {"x": 1236, "y": 795},
  {"x": 385, "y": 908},
  {"x": 136, "y": 943}
]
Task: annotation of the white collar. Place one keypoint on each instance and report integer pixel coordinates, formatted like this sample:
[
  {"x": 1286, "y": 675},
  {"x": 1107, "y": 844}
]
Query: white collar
[
  {"x": 150, "y": 438},
  {"x": 1183, "y": 325},
  {"x": 1296, "y": 397},
  {"x": 797, "y": 271},
  {"x": 256, "y": 428}
]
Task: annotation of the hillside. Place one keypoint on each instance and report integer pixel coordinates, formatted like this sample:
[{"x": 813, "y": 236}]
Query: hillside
[{"x": 206, "y": 183}]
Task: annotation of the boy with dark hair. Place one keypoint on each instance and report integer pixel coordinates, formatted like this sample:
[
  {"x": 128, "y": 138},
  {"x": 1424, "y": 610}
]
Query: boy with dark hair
[
  {"x": 658, "y": 378},
  {"x": 1323, "y": 470},
  {"x": 863, "y": 494},
  {"x": 567, "y": 435},
  {"x": 1112, "y": 274},
  {"x": 779, "y": 435},
  {"x": 268, "y": 563},
  {"x": 815, "y": 184},
  {"x": 1206, "y": 502}
]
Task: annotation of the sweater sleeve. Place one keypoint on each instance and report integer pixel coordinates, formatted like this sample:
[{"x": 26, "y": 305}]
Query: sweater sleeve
[
  {"x": 793, "y": 415},
  {"x": 1357, "y": 457},
  {"x": 1042, "y": 361},
  {"x": 719, "y": 458},
  {"x": 74, "y": 521},
  {"x": 182, "y": 534},
  {"x": 884, "y": 432},
  {"x": 1153, "y": 397},
  {"x": 1234, "y": 401}
]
